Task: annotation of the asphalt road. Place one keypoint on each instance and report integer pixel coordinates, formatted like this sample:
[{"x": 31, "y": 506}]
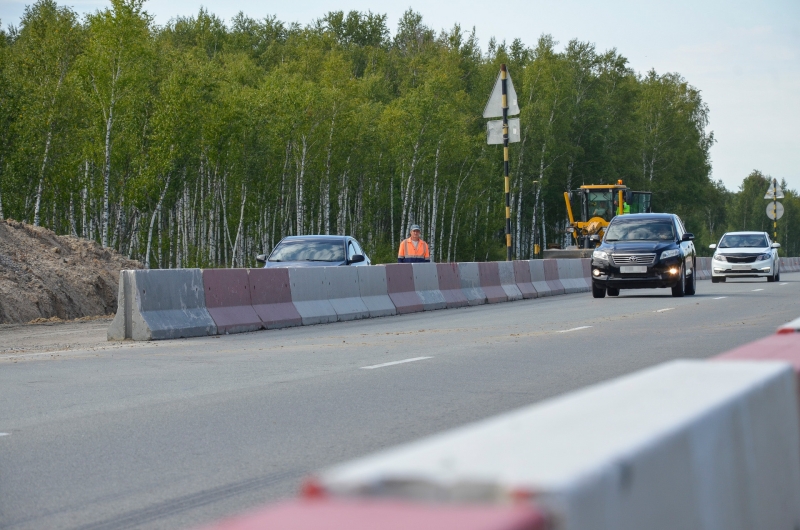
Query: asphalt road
[{"x": 180, "y": 433}]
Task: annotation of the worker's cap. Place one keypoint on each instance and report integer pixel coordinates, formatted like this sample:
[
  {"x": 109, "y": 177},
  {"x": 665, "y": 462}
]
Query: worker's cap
[{"x": 413, "y": 227}]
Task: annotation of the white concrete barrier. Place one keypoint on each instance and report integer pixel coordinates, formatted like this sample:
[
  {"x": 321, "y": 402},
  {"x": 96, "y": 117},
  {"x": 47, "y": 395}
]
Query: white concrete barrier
[
  {"x": 426, "y": 283},
  {"x": 343, "y": 293},
  {"x": 470, "y": 278},
  {"x": 507, "y": 280},
  {"x": 374, "y": 293},
  {"x": 310, "y": 295},
  {"x": 684, "y": 445}
]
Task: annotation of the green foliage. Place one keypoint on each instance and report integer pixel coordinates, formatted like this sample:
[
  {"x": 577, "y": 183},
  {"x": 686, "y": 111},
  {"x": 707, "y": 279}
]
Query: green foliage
[{"x": 202, "y": 144}]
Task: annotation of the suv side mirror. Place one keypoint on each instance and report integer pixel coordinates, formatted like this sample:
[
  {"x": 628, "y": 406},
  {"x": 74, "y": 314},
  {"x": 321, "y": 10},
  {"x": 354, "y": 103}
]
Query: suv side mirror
[
  {"x": 687, "y": 237},
  {"x": 261, "y": 258},
  {"x": 776, "y": 245},
  {"x": 712, "y": 246},
  {"x": 357, "y": 258}
]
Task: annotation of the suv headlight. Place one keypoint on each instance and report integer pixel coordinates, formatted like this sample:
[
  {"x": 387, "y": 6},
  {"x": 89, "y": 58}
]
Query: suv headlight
[
  {"x": 670, "y": 253},
  {"x": 720, "y": 257},
  {"x": 600, "y": 254},
  {"x": 764, "y": 257}
]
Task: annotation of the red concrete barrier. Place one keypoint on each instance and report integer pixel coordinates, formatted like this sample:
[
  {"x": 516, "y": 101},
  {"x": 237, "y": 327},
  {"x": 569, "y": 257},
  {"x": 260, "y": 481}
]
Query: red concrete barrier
[
  {"x": 490, "y": 282},
  {"x": 228, "y": 300},
  {"x": 450, "y": 285},
  {"x": 357, "y": 514},
  {"x": 551, "y": 276},
  {"x": 522, "y": 274},
  {"x": 272, "y": 298},
  {"x": 400, "y": 284}
]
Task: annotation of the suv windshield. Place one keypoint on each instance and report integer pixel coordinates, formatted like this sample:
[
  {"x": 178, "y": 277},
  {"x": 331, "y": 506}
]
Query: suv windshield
[
  {"x": 640, "y": 230},
  {"x": 743, "y": 241},
  {"x": 305, "y": 250}
]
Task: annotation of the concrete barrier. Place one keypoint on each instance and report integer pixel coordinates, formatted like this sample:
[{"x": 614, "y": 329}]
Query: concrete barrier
[
  {"x": 570, "y": 274},
  {"x": 450, "y": 285},
  {"x": 426, "y": 283},
  {"x": 310, "y": 295},
  {"x": 374, "y": 293},
  {"x": 371, "y": 514},
  {"x": 586, "y": 264},
  {"x": 508, "y": 281},
  {"x": 703, "y": 268},
  {"x": 490, "y": 282},
  {"x": 538, "y": 278},
  {"x": 271, "y": 295},
  {"x": 522, "y": 275},
  {"x": 551, "y": 276},
  {"x": 227, "y": 293},
  {"x": 400, "y": 285},
  {"x": 686, "y": 444},
  {"x": 470, "y": 277},
  {"x": 161, "y": 304},
  {"x": 344, "y": 294}
]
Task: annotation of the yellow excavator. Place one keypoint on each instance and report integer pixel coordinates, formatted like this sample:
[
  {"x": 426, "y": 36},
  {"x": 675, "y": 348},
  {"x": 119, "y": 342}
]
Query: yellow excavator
[{"x": 597, "y": 205}]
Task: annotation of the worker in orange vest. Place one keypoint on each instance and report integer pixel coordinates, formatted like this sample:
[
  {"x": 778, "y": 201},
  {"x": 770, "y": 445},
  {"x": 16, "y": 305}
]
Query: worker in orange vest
[{"x": 413, "y": 249}]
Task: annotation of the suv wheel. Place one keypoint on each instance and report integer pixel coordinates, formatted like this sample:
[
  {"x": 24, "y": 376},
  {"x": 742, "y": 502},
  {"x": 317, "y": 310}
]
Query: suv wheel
[
  {"x": 691, "y": 285},
  {"x": 680, "y": 288},
  {"x": 597, "y": 291}
]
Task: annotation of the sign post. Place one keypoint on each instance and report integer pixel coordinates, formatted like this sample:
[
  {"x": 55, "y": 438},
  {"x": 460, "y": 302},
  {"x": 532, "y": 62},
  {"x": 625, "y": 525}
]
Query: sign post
[
  {"x": 503, "y": 103},
  {"x": 774, "y": 210}
]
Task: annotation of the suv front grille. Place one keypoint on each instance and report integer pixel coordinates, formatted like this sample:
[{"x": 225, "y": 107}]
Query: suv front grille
[{"x": 632, "y": 259}]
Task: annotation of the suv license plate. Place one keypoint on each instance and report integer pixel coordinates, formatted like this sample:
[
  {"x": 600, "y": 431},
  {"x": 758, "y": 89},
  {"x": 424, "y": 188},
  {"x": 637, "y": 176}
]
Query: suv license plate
[{"x": 633, "y": 269}]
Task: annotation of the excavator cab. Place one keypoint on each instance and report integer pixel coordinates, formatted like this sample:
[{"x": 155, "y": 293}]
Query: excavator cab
[{"x": 597, "y": 205}]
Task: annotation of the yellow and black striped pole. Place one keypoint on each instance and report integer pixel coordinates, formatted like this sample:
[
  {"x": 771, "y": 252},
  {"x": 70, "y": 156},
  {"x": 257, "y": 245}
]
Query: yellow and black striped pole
[
  {"x": 775, "y": 210},
  {"x": 504, "y": 87}
]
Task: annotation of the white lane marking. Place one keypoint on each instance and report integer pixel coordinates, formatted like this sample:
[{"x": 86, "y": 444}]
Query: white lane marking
[
  {"x": 784, "y": 284},
  {"x": 720, "y": 297},
  {"x": 5, "y": 434},
  {"x": 574, "y": 329},
  {"x": 754, "y": 290},
  {"x": 665, "y": 309},
  {"x": 395, "y": 362}
]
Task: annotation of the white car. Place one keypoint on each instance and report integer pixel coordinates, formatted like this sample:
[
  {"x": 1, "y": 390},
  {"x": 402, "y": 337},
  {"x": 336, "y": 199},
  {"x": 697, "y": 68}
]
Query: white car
[{"x": 745, "y": 255}]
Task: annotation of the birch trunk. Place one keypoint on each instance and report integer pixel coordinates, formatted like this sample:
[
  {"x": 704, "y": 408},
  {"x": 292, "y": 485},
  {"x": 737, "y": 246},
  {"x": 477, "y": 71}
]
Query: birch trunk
[
  {"x": 326, "y": 192},
  {"x": 107, "y": 170},
  {"x": 434, "y": 211},
  {"x": 72, "y": 228},
  {"x": 152, "y": 222},
  {"x": 391, "y": 207},
  {"x": 234, "y": 250}
]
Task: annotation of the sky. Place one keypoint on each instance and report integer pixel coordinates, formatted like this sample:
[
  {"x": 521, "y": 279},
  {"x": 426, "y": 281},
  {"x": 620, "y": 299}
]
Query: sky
[{"x": 744, "y": 56}]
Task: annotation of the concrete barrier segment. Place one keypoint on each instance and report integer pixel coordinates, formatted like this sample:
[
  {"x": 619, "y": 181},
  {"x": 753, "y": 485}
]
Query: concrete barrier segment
[
  {"x": 426, "y": 283},
  {"x": 508, "y": 282},
  {"x": 538, "y": 278},
  {"x": 469, "y": 275},
  {"x": 344, "y": 294},
  {"x": 227, "y": 293},
  {"x": 790, "y": 327},
  {"x": 374, "y": 293},
  {"x": 161, "y": 304},
  {"x": 576, "y": 266},
  {"x": 551, "y": 276},
  {"x": 586, "y": 265},
  {"x": 522, "y": 275},
  {"x": 686, "y": 444},
  {"x": 400, "y": 285},
  {"x": 371, "y": 514},
  {"x": 450, "y": 285},
  {"x": 310, "y": 295},
  {"x": 490, "y": 282},
  {"x": 271, "y": 295},
  {"x": 570, "y": 274}
]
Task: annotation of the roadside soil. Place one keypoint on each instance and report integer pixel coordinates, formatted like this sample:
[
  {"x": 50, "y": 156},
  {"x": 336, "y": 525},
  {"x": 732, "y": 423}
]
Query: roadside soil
[{"x": 48, "y": 278}]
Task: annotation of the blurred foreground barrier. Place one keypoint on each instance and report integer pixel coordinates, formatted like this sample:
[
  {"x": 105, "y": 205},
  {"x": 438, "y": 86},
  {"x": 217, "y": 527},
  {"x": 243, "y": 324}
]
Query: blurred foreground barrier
[
  {"x": 683, "y": 445},
  {"x": 161, "y": 304},
  {"x": 354, "y": 514}
]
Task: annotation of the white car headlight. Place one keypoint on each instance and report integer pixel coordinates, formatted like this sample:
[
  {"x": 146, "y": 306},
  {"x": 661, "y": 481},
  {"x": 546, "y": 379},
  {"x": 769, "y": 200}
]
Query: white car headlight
[
  {"x": 670, "y": 253},
  {"x": 600, "y": 254},
  {"x": 720, "y": 257},
  {"x": 764, "y": 257}
]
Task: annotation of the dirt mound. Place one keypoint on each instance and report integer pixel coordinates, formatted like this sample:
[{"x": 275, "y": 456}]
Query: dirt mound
[{"x": 49, "y": 277}]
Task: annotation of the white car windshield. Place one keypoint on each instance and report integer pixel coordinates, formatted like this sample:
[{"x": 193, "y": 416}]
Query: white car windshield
[
  {"x": 641, "y": 230},
  {"x": 308, "y": 250},
  {"x": 743, "y": 241}
]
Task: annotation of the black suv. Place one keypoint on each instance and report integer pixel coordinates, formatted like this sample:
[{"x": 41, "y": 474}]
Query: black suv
[{"x": 642, "y": 251}]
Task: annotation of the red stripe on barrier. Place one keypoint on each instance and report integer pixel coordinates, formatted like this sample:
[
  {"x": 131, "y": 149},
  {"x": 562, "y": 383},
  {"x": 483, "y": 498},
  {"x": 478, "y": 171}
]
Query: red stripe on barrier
[
  {"x": 490, "y": 282},
  {"x": 357, "y": 514},
  {"x": 551, "y": 276},
  {"x": 228, "y": 300},
  {"x": 450, "y": 285},
  {"x": 400, "y": 284},
  {"x": 272, "y": 298},
  {"x": 522, "y": 275}
]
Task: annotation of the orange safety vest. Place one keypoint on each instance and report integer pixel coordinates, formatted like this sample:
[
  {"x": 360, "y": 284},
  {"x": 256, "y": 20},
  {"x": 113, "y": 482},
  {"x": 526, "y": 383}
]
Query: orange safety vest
[{"x": 407, "y": 250}]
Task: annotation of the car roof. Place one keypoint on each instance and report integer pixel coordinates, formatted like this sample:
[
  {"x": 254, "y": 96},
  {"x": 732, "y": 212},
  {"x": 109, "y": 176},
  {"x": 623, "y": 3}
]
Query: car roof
[
  {"x": 644, "y": 216},
  {"x": 321, "y": 237},
  {"x": 743, "y": 233}
]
